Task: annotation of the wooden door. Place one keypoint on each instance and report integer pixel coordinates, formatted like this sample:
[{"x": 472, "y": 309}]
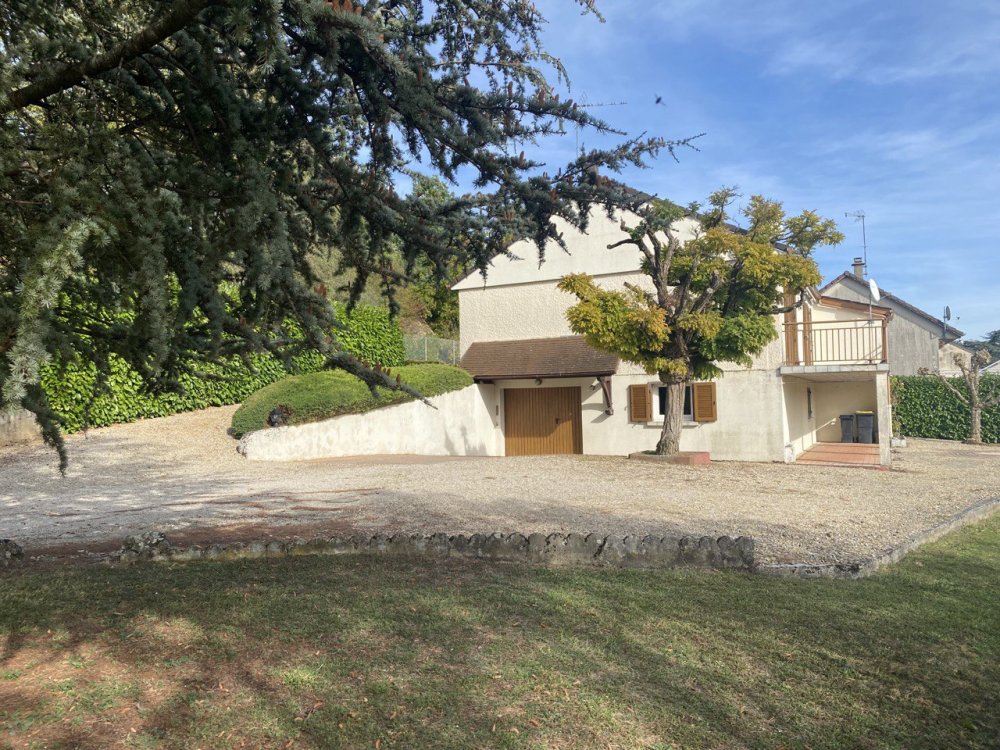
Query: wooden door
[{"x": 543, "y": 421}]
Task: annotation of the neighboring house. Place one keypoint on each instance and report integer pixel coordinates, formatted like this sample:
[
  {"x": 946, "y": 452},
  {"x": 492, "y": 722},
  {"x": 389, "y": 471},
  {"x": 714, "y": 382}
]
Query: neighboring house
[
  {"x": 992, "y": 368},
  {"x": 917, "y": 340},
  {"x": 946, "y": 359},
  {"x": 549, "y": 392}
]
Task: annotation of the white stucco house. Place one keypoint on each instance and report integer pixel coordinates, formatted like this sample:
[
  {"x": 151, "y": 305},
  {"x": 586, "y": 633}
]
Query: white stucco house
[
  {"x": 547, "y": 391},
  {"x": 993, "y": 368}
]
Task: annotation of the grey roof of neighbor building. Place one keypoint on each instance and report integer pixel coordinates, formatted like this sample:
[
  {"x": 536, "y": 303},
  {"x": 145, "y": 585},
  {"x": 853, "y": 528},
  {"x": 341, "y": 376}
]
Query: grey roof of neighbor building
[
  {"x": 561, "y": 357},
  {"x": 951, "y": 331}
]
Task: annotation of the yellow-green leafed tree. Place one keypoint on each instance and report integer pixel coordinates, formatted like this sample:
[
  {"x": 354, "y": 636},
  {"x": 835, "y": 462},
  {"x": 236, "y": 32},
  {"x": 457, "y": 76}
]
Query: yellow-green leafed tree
[{"x": 713, "y": 298}]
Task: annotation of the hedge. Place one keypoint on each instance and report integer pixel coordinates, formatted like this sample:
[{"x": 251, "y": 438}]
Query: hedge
[
  {"x": 321, "y": 395},
  {"x": 924, "y": 407},
  {"x": 371, "y": 336}
]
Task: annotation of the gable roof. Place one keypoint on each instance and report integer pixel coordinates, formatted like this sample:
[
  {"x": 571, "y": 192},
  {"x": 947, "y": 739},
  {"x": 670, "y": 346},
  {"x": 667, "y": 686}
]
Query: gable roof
[
  {"x": 560, "y": 357},
  {"x": 847, "y": 276}
]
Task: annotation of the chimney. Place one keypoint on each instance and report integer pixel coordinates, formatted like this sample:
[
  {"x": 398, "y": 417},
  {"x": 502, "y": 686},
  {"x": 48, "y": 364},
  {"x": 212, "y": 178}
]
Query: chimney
[{"x": 859, "y": 268}]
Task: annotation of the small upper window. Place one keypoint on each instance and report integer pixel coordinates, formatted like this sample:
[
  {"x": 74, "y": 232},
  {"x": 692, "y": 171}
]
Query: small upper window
[{"x": 661, "y": 403}]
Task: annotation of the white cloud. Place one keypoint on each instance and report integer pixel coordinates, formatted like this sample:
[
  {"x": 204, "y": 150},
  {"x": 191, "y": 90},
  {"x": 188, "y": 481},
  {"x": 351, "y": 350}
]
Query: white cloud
[{"x": 866, "y": 41}]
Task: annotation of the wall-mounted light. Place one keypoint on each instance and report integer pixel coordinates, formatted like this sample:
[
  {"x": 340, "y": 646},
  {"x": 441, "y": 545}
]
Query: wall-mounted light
[{"x": 538, "y": 381}]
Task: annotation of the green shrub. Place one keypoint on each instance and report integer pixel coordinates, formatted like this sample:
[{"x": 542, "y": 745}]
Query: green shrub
[
  {"x": 924, "y": 407},
  {"x": 371, "y": 336},
  {"x": 321, "y": 395}
]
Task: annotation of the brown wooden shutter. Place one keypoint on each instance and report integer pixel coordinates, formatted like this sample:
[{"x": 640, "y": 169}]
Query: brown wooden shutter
[
  {"x": 703, "y": 398},
  {"x": 640, "y": 403}
]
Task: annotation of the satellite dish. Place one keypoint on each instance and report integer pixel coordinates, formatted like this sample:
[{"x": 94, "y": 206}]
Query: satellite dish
[
  {"x": 947, "y": 312},
  {"x": 873, "y": 288}
]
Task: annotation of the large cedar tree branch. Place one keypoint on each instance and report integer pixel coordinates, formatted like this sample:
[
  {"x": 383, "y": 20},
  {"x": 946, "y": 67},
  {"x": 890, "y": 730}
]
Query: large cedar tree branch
[{"x": 180, "y": 15}]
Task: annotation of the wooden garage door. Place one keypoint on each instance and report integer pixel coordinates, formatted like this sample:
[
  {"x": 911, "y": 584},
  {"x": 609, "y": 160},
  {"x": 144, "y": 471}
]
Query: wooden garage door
[{"x": 543, "y": 421}]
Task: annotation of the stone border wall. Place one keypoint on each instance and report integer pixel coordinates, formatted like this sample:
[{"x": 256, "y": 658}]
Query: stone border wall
[
  {"x": 553, "y": 549},
  {"x": 649, "y": 552},
  {"x": 867, "y": 566}
]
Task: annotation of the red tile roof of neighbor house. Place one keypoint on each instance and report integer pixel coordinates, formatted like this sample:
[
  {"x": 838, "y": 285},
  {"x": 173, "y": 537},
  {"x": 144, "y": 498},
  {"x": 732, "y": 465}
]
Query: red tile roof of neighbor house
[{"x": 562, "y": 357}]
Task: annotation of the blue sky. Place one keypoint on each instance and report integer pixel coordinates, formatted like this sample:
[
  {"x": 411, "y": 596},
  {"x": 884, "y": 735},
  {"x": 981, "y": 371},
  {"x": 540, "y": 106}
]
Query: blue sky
[{"x": 890, "y": 108}]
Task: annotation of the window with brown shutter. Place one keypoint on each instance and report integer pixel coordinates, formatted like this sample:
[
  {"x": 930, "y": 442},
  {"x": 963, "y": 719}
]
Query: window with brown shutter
[
  {"x": 703, "y": 395},
  {"x": 640, "y": 403}
]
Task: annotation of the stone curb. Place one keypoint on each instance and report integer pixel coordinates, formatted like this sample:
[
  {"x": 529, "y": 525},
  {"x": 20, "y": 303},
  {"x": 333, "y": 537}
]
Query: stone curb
[
  {"x": 868, "y": 565},
  {"x": 10, "y": 553},
  {"x": 648, "y": 552}
]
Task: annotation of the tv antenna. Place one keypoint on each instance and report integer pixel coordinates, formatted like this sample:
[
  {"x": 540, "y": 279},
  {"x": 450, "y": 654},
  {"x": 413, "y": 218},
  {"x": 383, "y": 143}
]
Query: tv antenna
[
  {"x": 860, "y": 216},
  {"x": 584, "y": 104}
]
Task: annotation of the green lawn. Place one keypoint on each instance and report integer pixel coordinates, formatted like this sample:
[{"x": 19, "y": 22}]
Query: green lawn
[{"x": 321, "y": 652}]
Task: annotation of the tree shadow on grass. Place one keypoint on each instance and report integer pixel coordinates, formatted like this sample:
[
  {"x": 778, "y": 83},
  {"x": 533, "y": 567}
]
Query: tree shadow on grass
[{"x": 329, "y": 652}]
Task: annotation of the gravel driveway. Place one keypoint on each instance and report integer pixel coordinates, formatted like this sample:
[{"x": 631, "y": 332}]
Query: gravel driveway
[{"x": 182, "y": 474}]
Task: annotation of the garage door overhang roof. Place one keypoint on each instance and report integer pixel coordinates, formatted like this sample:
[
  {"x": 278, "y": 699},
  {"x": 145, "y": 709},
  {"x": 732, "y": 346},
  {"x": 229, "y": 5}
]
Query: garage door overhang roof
[{"x": 561, "y": 357}]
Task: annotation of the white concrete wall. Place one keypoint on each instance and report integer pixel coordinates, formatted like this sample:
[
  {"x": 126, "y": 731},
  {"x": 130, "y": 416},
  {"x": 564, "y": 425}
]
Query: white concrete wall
[
  {"x": 587, "y": 253},
  {"x": 519, "y": 300},
  {"x": 830, "y": 400},
  {"x": 800, "y": 426},
  {"x": 465, "y": 423},
  {"x": 18, "y": 426},
  {"x": 524, "y": 311},
  {"x": 884, "y": 425}
]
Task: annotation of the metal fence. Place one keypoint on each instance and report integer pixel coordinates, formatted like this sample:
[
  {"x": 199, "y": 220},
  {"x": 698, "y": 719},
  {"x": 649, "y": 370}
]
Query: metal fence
[
  {"x": 836, "y": 341},
  {"x": 431, "y": 349}
]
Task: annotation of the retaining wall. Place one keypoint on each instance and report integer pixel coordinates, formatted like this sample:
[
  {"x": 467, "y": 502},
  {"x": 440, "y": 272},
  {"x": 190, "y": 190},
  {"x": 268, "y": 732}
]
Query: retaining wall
[
  {"x": 460, "y": 424},
  {"x": 18, "y": 427},
  {"x": 553, "y": 549}
]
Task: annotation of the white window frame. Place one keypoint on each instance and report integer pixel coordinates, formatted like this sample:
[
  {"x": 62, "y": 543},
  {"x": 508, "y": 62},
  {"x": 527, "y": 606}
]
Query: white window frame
[{"x": 689, "y": 397}]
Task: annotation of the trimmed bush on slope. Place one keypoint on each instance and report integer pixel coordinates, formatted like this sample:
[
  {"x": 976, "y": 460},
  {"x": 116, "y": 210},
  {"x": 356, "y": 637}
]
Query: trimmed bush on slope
[
  {"x": 321, "y": 395},
  {"x": 371, "y": 335},
  {"x": 924, "y": 407}
]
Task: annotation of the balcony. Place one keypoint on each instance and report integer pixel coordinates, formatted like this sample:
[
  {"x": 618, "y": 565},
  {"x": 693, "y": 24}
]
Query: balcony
[{"x": 836, "y": 342}]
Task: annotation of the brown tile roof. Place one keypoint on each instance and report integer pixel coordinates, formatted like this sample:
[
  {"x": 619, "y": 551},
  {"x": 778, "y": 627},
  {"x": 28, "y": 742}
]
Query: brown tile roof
[{"x": 563, "y": 357}]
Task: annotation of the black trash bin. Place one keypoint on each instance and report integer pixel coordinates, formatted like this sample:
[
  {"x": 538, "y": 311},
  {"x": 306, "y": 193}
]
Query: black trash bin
[
  {"x": 847, "y": 428},
  {"x": 866, "y": 427}
]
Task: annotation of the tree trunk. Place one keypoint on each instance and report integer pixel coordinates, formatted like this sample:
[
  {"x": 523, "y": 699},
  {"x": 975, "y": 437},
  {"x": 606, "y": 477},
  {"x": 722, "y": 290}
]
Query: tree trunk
[
  {"x": 670, "y": 438},
  {"x": 976, "y": 435}
]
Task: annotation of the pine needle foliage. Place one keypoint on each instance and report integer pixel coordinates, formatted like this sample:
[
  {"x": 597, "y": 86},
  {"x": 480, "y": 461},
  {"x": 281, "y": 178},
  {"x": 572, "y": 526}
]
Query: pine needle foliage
[{"x": 166, "y": 169}]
